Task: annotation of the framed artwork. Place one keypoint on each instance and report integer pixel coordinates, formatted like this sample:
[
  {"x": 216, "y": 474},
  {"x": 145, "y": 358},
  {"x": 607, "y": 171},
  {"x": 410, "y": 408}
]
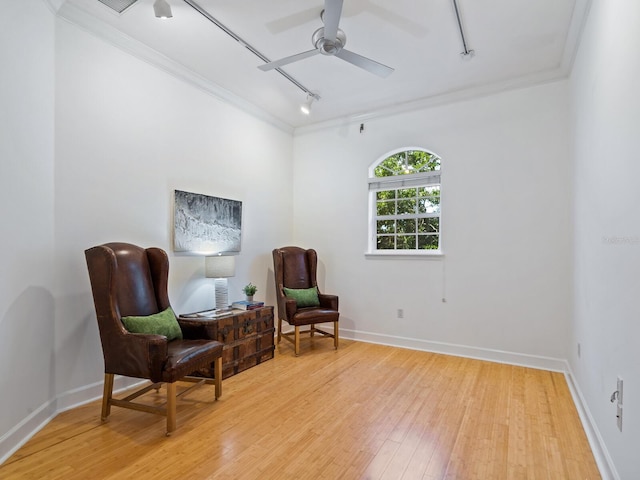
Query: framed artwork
[{"x": 206, "y": 225}]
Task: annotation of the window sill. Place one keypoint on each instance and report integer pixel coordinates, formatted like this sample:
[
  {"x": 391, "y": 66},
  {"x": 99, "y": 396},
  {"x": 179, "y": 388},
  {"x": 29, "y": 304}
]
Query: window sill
[{"x": 426, "y": 255}]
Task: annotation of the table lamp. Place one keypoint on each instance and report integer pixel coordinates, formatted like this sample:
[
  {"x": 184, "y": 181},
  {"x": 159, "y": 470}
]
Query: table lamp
[{"x": 220, "y": 267}]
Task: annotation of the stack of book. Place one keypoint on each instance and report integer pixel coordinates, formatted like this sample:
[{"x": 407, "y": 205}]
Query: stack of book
[
  {"x": 246, "y": 305},
  {"x": 214, "y": 313}
]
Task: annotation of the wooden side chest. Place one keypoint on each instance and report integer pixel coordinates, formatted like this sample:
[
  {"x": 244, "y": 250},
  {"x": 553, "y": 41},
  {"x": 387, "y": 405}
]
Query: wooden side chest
[{"x": 247, "y": 337}]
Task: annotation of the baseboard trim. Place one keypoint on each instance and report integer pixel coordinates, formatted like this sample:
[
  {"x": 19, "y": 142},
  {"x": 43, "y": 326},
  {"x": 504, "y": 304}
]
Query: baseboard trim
[
  {"x": 88, "y": 393},
  {"x": 15, "y": 438},
  {"x": 491, "y": 355},
  {"x": 598, "y": 448},
  {"x": 596, "y": 442},
  {"x": 27, "y": 428}
]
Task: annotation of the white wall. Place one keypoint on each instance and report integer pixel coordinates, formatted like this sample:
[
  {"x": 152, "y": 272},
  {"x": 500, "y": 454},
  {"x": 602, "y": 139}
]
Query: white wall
[
  {"x": 126, "y": 136},
  {"x": 606, "y": 118},
  {"x": 26, "y": 200},
  {"x": 506, "y": 274}
]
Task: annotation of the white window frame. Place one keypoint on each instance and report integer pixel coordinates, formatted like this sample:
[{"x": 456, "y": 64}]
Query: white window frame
[{"x": 423, "y": 179}]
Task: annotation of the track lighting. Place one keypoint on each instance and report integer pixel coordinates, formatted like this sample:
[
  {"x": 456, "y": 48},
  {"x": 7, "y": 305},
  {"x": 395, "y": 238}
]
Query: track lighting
[
  {"x": 466, "y": 53},
  {"x": 306, "y": 106},
  {"x": 162, "y": 9},
  {"x": 193, "y": 4}
]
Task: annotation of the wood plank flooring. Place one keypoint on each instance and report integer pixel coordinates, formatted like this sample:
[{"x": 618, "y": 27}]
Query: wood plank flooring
[{"x": 363, "y": 412}]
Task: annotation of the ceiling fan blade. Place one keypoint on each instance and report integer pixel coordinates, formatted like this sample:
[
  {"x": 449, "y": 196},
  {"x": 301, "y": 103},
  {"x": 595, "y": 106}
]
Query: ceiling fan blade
[
  {"x": 288, "y": 60},
  {"x": 331, "y": 18},
  {"x": 366, "y": 63}
]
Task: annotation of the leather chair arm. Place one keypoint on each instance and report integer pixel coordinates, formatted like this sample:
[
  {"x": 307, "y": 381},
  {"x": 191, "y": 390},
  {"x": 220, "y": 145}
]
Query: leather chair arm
[
  {"x": 197, "y": 328},
  {"x": 329, "y": 302},
  {"x": 291, "y": 307},
  {"x": 136, "y": 355}
]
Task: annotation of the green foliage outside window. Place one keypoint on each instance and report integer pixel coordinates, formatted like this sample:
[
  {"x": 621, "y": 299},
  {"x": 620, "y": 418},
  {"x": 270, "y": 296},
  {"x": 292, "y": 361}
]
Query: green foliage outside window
[
  {"x": 407, "y": 163},
  {"x": 420, "y": 230}
]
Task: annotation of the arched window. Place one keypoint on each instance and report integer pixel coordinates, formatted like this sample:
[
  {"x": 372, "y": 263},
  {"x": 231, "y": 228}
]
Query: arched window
[{"x": 404, "y": 203}]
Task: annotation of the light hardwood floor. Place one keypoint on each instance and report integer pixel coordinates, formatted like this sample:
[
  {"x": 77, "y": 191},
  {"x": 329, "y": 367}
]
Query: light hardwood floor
[{"x": 362, "y": 412}]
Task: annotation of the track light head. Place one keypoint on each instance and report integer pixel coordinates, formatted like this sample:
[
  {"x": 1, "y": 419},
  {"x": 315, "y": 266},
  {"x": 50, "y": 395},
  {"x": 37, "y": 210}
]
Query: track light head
[
  {"x": 162, "y": 9},
  {"x": 306, "y": 106}
]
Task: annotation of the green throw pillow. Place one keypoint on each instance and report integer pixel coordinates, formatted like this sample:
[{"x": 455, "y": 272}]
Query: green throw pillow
[
  {"x": 304, "y": 297},
  {"x": 163, "y": 323}
]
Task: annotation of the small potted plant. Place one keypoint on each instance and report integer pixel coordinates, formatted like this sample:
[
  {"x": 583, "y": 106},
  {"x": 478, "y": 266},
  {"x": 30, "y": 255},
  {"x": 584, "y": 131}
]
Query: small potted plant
[{"x": 250, "y": 290}]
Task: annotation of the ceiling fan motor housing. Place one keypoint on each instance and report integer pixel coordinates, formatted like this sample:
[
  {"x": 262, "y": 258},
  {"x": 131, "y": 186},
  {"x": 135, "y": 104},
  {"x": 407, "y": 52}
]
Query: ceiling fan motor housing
[{"x": 328, "y": 47}]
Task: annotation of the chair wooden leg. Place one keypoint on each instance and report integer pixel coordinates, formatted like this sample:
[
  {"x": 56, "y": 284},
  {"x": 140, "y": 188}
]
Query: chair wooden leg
[
  {"x": 107, "y": 392},
  {"x": 297, "y": 340},
  {"x": 171, "y": 407},
  {"x": 218, "y": 376},
  {"x": 335, "y": 335},
  {"x": 279, "y": 329},
  {"x": 312, "y": 331}
]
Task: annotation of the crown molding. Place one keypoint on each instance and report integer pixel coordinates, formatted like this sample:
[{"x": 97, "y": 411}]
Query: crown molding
[
  {"x": 114, "y": 37},
  {"x": 53, "y": 5},
  {"x": 579, "y": 17},
  {"x": 109, "y": 34},
  {"x": 541, "y": 78},
  {"x": 562, "y": 71}
]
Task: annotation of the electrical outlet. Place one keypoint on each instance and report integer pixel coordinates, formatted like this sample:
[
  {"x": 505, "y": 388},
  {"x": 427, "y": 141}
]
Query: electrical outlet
[
  {"x": 400, "y": 313},
  {"x": 579, "y": 350}
]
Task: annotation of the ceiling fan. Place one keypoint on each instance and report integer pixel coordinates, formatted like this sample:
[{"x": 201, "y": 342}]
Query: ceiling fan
[{"x": 330, "y": 40}]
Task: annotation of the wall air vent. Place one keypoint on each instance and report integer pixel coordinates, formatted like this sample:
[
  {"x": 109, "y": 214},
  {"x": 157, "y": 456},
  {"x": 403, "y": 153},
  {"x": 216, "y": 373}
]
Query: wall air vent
[{"x": 118, "y": 5}]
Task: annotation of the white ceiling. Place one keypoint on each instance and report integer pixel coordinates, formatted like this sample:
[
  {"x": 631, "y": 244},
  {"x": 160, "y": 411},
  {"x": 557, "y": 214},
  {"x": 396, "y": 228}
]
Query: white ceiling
[{"x": 516, "y": 42}]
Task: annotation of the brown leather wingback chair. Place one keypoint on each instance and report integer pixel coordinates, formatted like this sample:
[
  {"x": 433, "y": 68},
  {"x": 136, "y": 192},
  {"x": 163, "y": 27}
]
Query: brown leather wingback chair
[
  {"x": 295, "y": 268},
  {"x": 127, "y": 280}
]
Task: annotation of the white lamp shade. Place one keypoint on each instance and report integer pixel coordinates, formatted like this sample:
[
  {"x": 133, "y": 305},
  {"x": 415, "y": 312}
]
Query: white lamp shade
[{"x": 220, "y": 266}]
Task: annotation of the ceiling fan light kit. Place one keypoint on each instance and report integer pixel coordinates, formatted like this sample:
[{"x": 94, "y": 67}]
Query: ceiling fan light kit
[{"x": 327, "y": 47}]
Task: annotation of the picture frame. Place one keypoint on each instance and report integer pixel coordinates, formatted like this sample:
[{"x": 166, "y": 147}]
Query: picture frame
[{"x": 206, "y": 225}]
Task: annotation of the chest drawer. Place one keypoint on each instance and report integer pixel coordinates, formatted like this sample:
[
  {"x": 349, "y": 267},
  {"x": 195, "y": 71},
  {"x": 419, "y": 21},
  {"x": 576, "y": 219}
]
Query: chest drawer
[{"x": 248, "y": 338}]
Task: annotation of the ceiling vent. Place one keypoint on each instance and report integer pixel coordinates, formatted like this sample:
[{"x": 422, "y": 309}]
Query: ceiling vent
[{"x": 118, "y": 5}]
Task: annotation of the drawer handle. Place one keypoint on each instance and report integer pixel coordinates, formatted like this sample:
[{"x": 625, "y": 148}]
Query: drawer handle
[{"x": 225, "y": 334}]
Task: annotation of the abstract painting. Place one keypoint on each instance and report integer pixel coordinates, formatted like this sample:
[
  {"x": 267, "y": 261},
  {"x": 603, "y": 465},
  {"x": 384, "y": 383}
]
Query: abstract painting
[{"x": 206, "y": 225}]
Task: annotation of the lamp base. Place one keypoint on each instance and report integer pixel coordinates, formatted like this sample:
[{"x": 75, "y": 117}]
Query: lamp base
[{"x": 222, "y": 293}]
